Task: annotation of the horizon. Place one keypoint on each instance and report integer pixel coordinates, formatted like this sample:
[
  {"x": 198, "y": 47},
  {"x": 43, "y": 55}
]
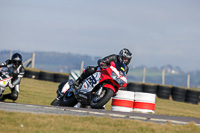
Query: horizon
[{"x": 132, "y": 65}]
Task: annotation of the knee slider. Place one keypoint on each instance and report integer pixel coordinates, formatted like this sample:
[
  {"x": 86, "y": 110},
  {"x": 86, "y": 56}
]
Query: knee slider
[
  {"x": 90, "y": 69},
  {"x": 14, "y": 95}
]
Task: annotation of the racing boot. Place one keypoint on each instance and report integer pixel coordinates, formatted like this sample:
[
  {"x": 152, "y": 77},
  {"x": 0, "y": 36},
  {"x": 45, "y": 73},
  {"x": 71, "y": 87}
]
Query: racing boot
[
  {"x": 76, "y": 83},
  {"x": 88, "y": 71},
  {"x": 1, "y": 97}
]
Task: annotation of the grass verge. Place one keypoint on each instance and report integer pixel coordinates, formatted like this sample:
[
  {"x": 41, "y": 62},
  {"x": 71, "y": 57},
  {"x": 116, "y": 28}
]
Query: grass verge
[
  {"x": 43, "y": 92},
  {"x": 44, "y": 123}
]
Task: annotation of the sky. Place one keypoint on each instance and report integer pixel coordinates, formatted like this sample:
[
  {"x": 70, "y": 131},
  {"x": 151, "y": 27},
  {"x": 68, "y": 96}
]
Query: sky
[{"x": 156, "y": 32}]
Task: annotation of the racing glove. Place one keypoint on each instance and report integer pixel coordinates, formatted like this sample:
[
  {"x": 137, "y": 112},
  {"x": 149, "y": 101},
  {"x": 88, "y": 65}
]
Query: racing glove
[{"x": 103, "y": 65}]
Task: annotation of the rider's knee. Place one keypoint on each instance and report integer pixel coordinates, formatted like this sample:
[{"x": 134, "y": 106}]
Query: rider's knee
[
  {"x": 15, "y": 92},
  {"x": 90, "y": 69},
  {"x": 14, "y": 95}
]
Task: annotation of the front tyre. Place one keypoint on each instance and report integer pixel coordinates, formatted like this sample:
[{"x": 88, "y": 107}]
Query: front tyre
[
  {"x": 55, "y": 102},
  {"x": 98, "y": 101}
]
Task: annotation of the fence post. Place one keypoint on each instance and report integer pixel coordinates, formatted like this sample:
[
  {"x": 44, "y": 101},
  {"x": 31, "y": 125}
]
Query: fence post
[
  {"x": 10, "y": 54},
  {"x": 81, "y": 70},
  {"x": 188, "y": 81},
  {"x": 33, "y": 60},
  {"x": 144, "y": 74},
  {"x": 163, "y": 76},
  {"x": 30, "y": 61}
]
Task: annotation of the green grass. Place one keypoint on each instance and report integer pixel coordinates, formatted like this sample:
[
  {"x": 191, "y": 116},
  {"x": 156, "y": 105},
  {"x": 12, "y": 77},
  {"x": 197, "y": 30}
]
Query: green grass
[
  {"x": 46, "y": 123},
  {"x": 42, "y": 93},
  {"x": 36, "y": 92},
  {"x": 173, "y": 108}
]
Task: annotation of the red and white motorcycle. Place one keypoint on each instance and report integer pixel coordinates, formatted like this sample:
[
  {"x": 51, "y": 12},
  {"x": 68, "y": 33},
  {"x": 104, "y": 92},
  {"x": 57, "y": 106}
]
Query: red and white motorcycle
[
  {"x": 96, "y": 90},
  {"x": 5, "y": 78}
]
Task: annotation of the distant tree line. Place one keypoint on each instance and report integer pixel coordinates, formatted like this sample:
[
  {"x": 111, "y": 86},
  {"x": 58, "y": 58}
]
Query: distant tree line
[{"x": 65, "y": 62}]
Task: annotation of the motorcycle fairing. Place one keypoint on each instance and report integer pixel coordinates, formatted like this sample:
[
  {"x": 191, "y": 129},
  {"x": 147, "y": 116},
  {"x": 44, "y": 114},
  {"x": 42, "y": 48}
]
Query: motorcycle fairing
[
  {"x": 4, "y": 82},
  {"x": 110, "y": 86},
  {"x": 119, "y": 74},
  {"x": 91, "y": 82},
  {"x": 4, "y": 76},
  {"x": 84, "y": 94}
]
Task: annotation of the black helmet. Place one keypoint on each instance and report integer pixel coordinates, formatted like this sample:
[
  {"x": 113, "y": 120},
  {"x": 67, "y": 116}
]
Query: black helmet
[
  {"x": 125, "y": 56},
  {"x": 16, "y": 59}
]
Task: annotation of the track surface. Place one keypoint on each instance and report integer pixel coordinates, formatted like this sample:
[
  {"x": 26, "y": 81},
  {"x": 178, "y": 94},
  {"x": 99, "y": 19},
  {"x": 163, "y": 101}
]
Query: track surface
[{"x": 30, "y": 108}]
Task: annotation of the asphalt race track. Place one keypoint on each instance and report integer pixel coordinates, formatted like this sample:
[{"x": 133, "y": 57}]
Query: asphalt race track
[{"x": 41, "y": 109}]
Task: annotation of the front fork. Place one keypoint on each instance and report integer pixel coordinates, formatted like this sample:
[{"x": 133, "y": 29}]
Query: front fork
[
  {"x": 99, "y": 94},
  {"x": 99, "y": 91},
  {"x": 2, "y": 90}
]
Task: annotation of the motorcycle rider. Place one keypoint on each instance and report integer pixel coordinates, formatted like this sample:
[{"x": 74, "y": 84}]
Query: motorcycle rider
[
  {"x": 124, "y": 56},
  {"x": 14, "y": 64}
]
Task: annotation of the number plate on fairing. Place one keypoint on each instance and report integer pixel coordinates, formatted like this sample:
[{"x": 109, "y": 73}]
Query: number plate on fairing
[{"x": 91, "y": 82}]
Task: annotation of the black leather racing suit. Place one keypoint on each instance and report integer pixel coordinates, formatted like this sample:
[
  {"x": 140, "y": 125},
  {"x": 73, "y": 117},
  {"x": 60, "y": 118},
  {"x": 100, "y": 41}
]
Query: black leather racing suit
[
  {"x": 17, "y": 74},
  {"x": 110, "y": 58},
  {"x": 92, "y": 69}
]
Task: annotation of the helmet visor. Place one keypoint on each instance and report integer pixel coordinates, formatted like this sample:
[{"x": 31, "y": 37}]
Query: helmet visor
[
  {"x": 16, "y": 63},
  {"x": 125, "y": 60}
]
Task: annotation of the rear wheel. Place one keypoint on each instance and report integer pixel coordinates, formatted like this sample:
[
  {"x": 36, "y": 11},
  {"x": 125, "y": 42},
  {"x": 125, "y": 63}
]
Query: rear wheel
[
  {"x": 99, "y": 100},
  {"x": 68, "y": 99}
]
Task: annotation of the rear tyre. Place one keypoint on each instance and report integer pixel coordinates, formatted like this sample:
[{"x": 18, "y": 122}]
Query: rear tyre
[
  {"x": 69, "y": 99},
  {"x": 98, "y": 102}
]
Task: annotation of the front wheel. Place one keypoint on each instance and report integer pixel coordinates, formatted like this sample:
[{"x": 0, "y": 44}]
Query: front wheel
[
  {"x": 99, "y": 100},
  {"x": 55, "y": 102}
]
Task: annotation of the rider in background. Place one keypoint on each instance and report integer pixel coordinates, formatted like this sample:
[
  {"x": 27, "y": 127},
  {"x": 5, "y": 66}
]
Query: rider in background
[
  {"x": 15, "y": 64},
  {"x": 124, "y": 56}
]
